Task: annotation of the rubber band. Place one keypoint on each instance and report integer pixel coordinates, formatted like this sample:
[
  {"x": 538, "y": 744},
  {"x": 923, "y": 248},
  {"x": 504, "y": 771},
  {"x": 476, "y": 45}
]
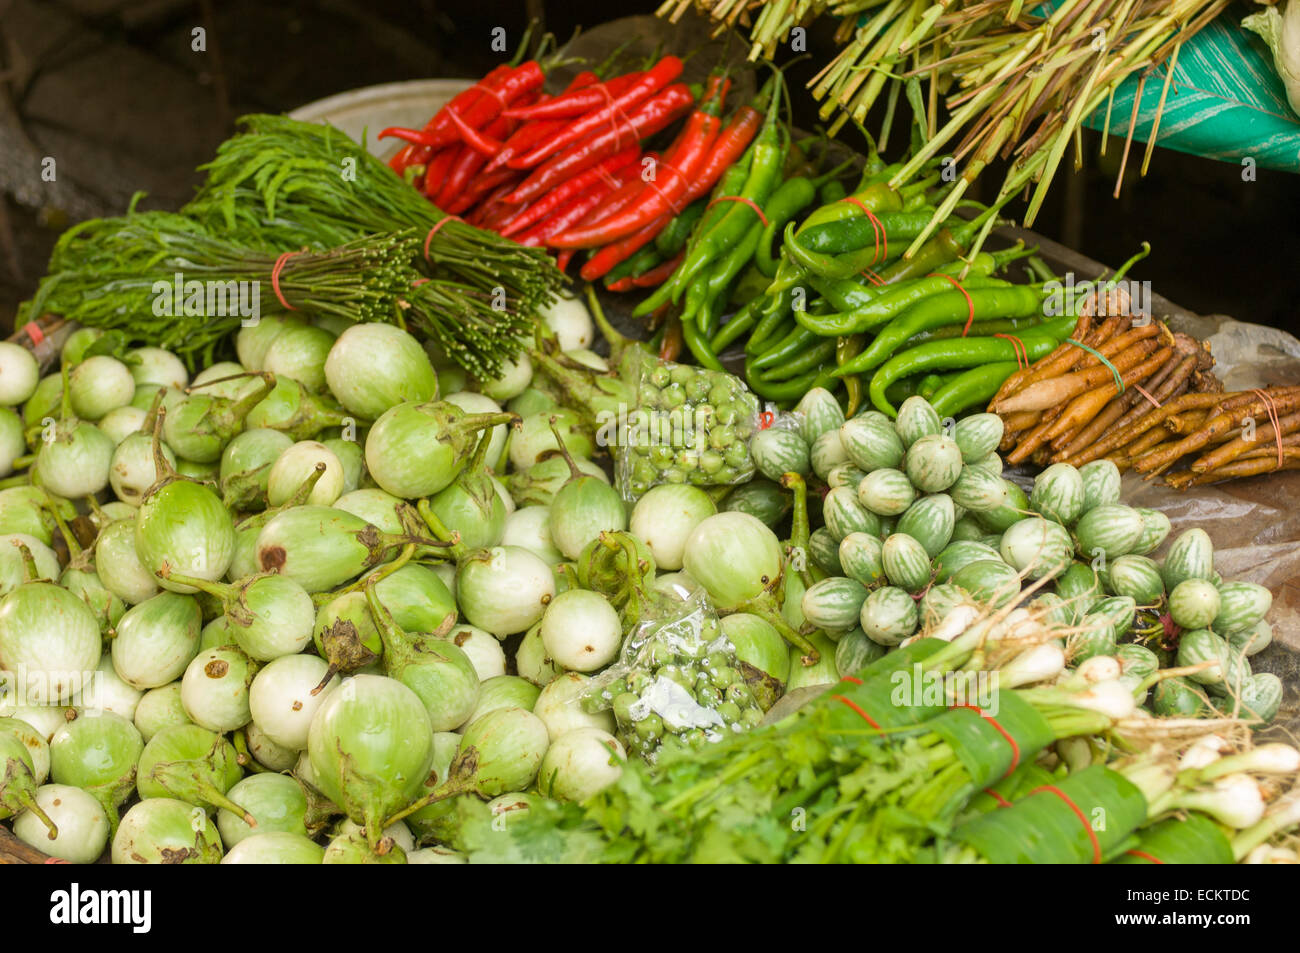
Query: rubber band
[
  {"x": 1017, "y": 345},
  {"x": 1143, "y": 391},
  {"x": 617, "y": 110},
  {"x": 1002, "y": 802},
  {"x": 434, "y": 231},
  {"x": 877, "y": 227},
  {"x": 1273, "y": 419},
  {"x": 1145, "y": 856},
  {"x": 872, "y": 277},
  {"x": 1119, "y": 379},
  {"x": 970, "y": 305},
  {"x": 744, "y": 201},
  {"x": 870, "y": 721},
  {"x": 420, "y": 281},
  {"x": 34, "y": 332},
  {"x": 1015, "y": 748},
  {"x": 275, "y": 277},
  {"x": 850, "y": 678},
  {"x": 1092, "y": 835},
  {"x": 54, "y": 860}
]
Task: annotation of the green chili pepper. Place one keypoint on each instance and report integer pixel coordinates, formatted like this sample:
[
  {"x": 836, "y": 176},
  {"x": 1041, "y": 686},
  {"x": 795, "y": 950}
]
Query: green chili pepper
[
  {"x": 859, "y": 232},
  {"x": 741, "y": 321},
  {"x": 891, "y": 301},
  {"x": 676, "y": 233},
  {"x": 699, "y": 347},
  {"x": 875, "y": 195},
  {"x": 962, "y": 353},
  {"x": 752, "y": 284},
  {"x": 977, "y": 329},
  {"x": 996, "y": 298},
  {"x": 774, "y": 311},
  {"x": 720, "y": 277},
  {"x": 813, "y": 358},
  {"x": 970, "y": 388},
  {"x": 787, "y": 392},
  {"x": 769, "y": 148},
  {"x": 791, "y": 198},
  {"x": 730, "y": 184},
  {"x": 637, "y": 264},
  {"x": 939, "y": 250},
  {"x": 831, "y": 191},
  {"x": 788, "y": 347}
]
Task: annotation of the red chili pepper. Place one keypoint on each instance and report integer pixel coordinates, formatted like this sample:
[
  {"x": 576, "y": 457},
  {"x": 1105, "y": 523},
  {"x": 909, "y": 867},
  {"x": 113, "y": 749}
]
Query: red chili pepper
[
  {"x": 467, "y": 166},
  {"x": 563, "y": 258},
  {"x": 483, "y": 184},
  {"x": 613, "y": 113},
  {"x": 440, "y": 121},
  {"x": 655, "y": 276},
  {"x": 531, "y": 133},
  {"x": 602, "y": 261},
  {"x": 578, "y": 208},
  {"x": 663, "y": 193},
  {"x": 576, "y": 185},
  {"x": 577, "y": 102},
  {"x": 417, "y": 137},
  {"x": 478, "y": 141},
  {"x": 629, "y": 190},
  {"x": 652, "y": 116},
  {"x": 502, "y": 212},
  {"x": 402, "y": 158},
  {"x": 496, "y": 91},
  {"x": 727, "y": 149},
  {"x": 437, "y": 170}
]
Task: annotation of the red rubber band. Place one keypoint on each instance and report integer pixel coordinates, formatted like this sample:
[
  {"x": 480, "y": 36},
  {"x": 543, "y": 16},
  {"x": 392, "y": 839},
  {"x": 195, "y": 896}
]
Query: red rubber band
[
  {"x": 1015, "y": 748},
  {"x": 1092, "y": 835},
  {"x": 1273, "y": 419},
  {"x": 54, "y": 860},
  {"x": 1017, "y": 345},
  {"x": 434, "y": 231},
  {"x": 876, "y": 226},
  {"x": 850, "y": 678},
  {"x": 870, "y": 721},
  {"x": 743, "y": 200},
  {"x": 970, "y": 305},
  {"x": 1002, "y": 802},
  {"x": 275, "y": 277},
  {"x": 872, "y": 277},
  {"x": 420, "y": 281},
  {"x": 34, "y": 332},
  {"x": 1143, "y": 391},
  {"x": 1145, "y": 856}
]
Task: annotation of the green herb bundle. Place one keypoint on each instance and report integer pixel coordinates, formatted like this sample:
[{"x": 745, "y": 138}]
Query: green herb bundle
[
  {"x": 164, "y": 280},
  {"x": 286, "y": 184}
]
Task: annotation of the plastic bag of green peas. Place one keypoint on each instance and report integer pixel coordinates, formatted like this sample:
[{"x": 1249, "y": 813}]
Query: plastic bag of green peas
[
  {"x": 690, "y": 425},
  {"x": 676, "y": 684}
]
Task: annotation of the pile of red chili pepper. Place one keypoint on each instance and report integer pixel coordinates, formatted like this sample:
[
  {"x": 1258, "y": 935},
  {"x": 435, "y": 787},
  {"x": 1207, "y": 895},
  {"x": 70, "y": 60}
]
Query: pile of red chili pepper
[{"x": 567, "y": 171}]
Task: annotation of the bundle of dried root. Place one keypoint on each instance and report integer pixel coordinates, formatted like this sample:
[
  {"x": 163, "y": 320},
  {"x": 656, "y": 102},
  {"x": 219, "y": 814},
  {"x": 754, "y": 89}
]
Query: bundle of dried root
[{"x": 1114, "y": 370}]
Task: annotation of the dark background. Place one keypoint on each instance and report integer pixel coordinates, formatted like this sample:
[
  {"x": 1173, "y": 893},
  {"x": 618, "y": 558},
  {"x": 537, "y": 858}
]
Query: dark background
[{"x": 113, "y": 91}]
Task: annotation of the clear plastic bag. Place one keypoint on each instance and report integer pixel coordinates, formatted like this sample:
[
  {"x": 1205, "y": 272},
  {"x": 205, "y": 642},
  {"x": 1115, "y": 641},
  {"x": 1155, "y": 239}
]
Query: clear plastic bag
[
  {"x": 676, "y": 683},
  {"x": 690, "y": 425}
]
